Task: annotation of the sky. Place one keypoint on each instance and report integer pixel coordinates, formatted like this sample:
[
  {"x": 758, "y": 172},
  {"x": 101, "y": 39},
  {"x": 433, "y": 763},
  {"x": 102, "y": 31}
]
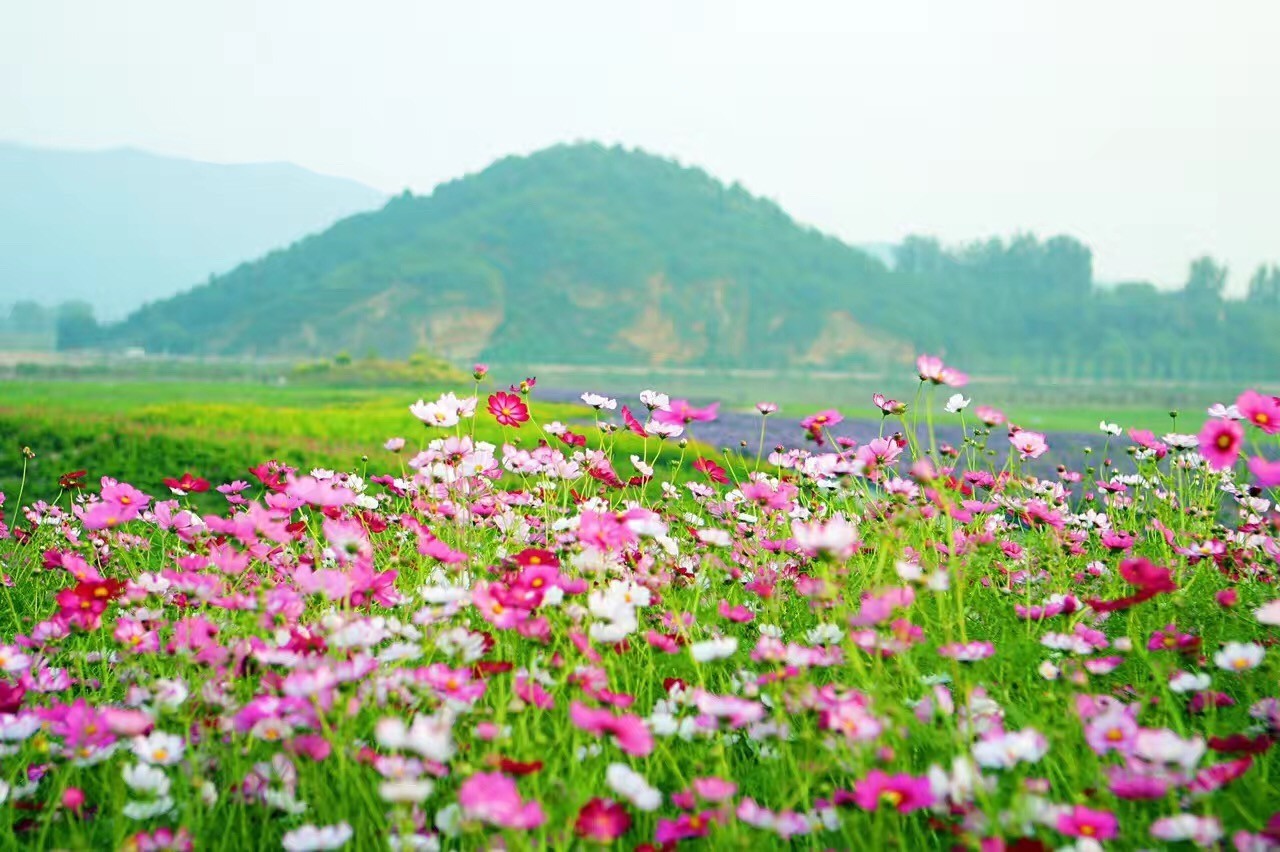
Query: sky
[{"x": 1149, "y": 130}]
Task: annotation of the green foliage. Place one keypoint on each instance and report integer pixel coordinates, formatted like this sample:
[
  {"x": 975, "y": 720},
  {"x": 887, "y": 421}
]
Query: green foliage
[
  {"x": 583, "y": 254},
  {"x": 578, "y": 254}
]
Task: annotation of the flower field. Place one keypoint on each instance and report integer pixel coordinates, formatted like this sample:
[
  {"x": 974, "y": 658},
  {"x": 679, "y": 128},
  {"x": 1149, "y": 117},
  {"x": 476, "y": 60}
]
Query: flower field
[{"x": 526, "y": 625}]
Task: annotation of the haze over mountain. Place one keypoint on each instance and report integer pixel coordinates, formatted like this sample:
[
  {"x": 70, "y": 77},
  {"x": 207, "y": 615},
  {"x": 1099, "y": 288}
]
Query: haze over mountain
[
  {"x": 591, "y": 254},
  {"x": 122, "y": 227}
]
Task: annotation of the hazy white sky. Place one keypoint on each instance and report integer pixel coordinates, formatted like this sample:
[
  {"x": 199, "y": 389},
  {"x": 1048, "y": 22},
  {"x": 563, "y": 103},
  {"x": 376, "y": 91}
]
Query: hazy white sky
[{"x": 1151, "y": 130}]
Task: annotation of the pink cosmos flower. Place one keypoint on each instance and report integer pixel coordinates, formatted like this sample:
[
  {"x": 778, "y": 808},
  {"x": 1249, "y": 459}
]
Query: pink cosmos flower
[
  {"x": 1266, "y": 474},
  {"x": 318, "y": 492},
  {"x": 604, "y": 531},
  {"x": 904, "y": 793},
  {"x": 887, "y": 406},
  {"x": 834, "y": 539},
  {"x": 968, "y": 652},
  {"x": 685, "y": 827},
  {"x": 714, "y": 789},
  {"x": 1083, "y": 822},
  {"x": 1220, "y": 442},
  {"x": 815, "y": 423},
  {"x": 990, "y": 416},
  {"x": 492, "y": 798},
  {"x": 681, "y": 413},
  {"x": 629, "y": 732},
  {"x": 1260, "y": 410},
  {"x": 1030, "y": 445},
  {"x": 931, "y": 369},
  {"x": 495, "y": 607},
  {"x": 508, "y": 409},
  {"x": 1114, "y": 730}
]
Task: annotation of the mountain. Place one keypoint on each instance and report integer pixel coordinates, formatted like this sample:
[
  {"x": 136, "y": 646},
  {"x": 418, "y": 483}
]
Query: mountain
[
  {"x": 585, "y": 254},
  {"x": 578, "y": 253},
  {"x": 120, "y": 228}
]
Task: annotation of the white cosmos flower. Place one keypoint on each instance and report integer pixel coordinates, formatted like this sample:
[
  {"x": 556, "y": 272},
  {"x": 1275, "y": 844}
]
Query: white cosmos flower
[
  {"x": 433, "y": 414},
  {"x": 957, "y": 402},
  {"x": 632, "y": 786},
  {"x": 170, "y": 694},
  {"x": 1164, "y": 746},
  {"x": 640, "y": 465},
  {"x": 1269, "y": 613},
  {"x": 713, "y": 649},
  {"x": 664, "y": 430},
  {"x": 598, "y": 402},
  {"x": 147, "y": 810},
  {"x": 1202, "y": 831},
  {"x": 283, "y": 799},
  {"x": 717, "y": 538},
  {"x": 1239, "y": 656},
  {"x": 653, "y": 400},
  {"x": 431, "y": 736},
  {"x": 1109, "y": 428},
  {"x": 406, "y": 790},
  {"x": 309, "y": 838},
  {"x": 1189, "y": 682},
  {"x": 146, "y": 779},
  {"x": 1226, "y": 412},
  {"x": 159, "y": 748}
]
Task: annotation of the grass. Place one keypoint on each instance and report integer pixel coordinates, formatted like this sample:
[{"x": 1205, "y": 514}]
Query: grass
[{"x": 787, "y": 661}]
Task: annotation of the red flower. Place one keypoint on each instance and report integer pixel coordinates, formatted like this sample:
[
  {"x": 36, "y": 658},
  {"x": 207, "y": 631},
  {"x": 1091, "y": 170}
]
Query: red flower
[
  {"x": 11, "y": 696},
  {"x": 1241, "y": 744},
  {"x": 516, "y": 767},
  {"x": 602, "y": 820},
  {"x": 713, "y": 471},
  {"x": 72, "y": 481},
  {"x": 188, "y": 484},
  {"x": 508, "y": 409},
  {"x": 1147, "y": 576},
  {"x": 534, "y": 556},
  {"x": 84, "y": 603},
  {"x": 633, "y": 424}
]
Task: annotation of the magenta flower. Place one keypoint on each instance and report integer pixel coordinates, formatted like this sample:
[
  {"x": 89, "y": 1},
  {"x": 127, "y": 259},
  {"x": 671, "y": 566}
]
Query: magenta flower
[
  {"x": 1083, "y": 822},
  {"x": 508, "y": 409},
  {"x": 815, "y": 423},
  {"x": 630, "y": 732},
  {"x": 904, "y": 793},
  {"x": 1259, "y": 409},
  {"x": 1220, "y": 442},
  {"x": 602, "y": 821},
  {"x": 681, "y": 413},
  {"x": 1266, "y": 474},
  {"x": 492, "y": 798}
]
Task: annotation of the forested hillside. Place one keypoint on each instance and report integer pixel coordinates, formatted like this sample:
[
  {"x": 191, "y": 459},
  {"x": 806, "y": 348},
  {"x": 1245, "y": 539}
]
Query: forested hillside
[{"x": 588, "y": 254}]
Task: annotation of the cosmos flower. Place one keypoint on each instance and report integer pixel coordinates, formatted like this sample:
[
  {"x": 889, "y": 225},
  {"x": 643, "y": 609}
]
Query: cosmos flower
[
  {"x": 508, "y": 409},
  {"x": 1220, "y": 442}
]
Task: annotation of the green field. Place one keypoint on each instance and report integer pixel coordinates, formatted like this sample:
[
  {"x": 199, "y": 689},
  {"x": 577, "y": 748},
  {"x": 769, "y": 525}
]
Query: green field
[{"x": 143, "y": 432}]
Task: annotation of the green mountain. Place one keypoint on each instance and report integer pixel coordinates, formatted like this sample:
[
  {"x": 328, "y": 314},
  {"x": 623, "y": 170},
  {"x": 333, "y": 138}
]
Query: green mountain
[
  {"x": 584, "y": 254},
  {"x": 576, "y": 254},
  {"x": 120, "y": 228}
]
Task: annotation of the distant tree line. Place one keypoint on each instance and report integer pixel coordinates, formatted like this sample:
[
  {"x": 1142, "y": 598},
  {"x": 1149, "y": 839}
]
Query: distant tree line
[
  {"x": 30, "y": 325},
  {"x": 1027, "y": 306}
]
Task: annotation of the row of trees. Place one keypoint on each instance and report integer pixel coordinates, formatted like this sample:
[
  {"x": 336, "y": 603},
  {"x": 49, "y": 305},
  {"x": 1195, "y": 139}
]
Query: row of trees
[
  {"x": 1033, "y": 307},
  {"x": 30, "y": 325}
]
